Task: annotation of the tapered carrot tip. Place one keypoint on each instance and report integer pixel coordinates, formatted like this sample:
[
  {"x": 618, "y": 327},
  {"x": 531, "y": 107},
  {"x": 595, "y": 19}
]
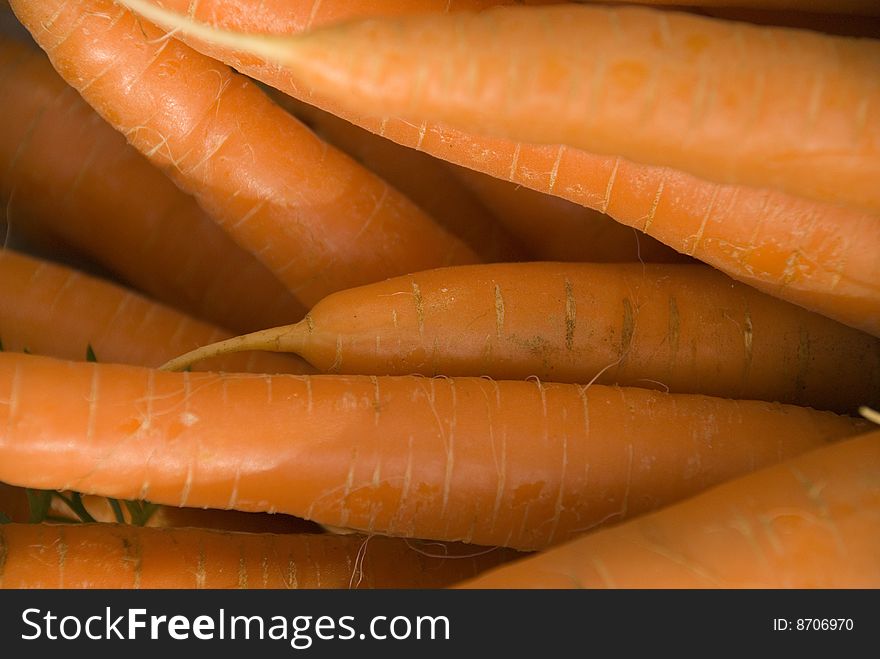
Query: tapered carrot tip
[
  {"x": 287, "y": 338},
  {"x": 871, "y": 415},
  {"x": 281, "y": 49}
]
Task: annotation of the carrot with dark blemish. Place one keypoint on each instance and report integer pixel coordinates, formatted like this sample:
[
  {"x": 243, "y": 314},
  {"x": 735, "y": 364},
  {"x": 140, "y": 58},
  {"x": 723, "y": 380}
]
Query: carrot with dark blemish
[
  {"x": 512, "y": 463},
  {"x": 687, "y": 328}
]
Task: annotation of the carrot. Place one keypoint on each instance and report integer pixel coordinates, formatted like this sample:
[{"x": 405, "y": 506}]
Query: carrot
[
  {"x": 847, "y": 25},
  {"x": 658, "y": 90},
  {"x": 65, "y": 172},
  {"x": 519, "y": 464},
  {"x": 421, "y": 177},
  {"x": 53, "y": 310},
  {"x": 559, "y": 230},
  {"x": 858, "y": 7},
  {"x": 788, "y": 247},
  {"x": 811, "y": 522},
  {"x": 316, "y": 219},
  {"x": 18, "y": 507},
  {"x": 684, "y": 327},
  {"x": 118, "y": 556}
]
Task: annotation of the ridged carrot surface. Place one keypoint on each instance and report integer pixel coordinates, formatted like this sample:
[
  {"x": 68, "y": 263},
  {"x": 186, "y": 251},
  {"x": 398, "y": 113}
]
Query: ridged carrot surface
[
  {"x": 556, "y": 229},
  {"x": 799, "y": 250},
  {"x": 65, "y": 172},
  {"x": 53, "y": 310},
  {"x": 811, "y": 522},
  {"x": 687, "y": 328},
  {"x": 113, "y": 556},
  {"x": 859, "y": 7},
  {"x": 519, "y": 464},
  {"x": 16, "y": 506},
  {"x": 423, "y": 178},
  {"x": 314, "y": 217},
  {"x": 659, "y": 88}
]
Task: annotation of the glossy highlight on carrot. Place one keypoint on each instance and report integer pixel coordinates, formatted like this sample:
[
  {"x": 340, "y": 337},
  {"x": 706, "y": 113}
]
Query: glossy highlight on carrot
[{"x": 518, "y": 464}]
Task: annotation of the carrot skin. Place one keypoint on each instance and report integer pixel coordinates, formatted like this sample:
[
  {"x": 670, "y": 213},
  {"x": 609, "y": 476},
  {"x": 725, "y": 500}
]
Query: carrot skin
[
  {"x": 687, "y": 328},
  {"x": 15, "y": 505},
  {"x": 559, "y": 230},
  {"x": 857, "y": 7},
  {"x": 519, "y": 464},
  {"x": 53, "y": 310},
  {"x": 423, "y": 178},
  {"x": 315, "y": 218},
  {"x": 66, "y": 173},
  {"x": 118, "y": 556},
  {"x": 788, "y": 247},
  {"x": 655, "y": 87},
  {"x": 810, "y": 522}
]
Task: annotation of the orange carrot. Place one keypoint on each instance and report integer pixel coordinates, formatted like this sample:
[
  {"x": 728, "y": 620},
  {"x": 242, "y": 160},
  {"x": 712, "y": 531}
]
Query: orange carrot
[
  {"x": 654, "y": 87},
  {"x": 421, "y": 177},
  {"x": 519, "y": 464},
  {"x": 684, "y": 327},
  {"x": 788, "y": 247},
  {"x": 862, "y": 7},
  {"x": 848, "y": 25},
  {"x": 316, "y": 219},
  {"x": 558, "y": 230},
  {"x": 14, "y": 503},
  {"x": 811, "y": 522},
  {"x": 65, "y": 172},
  {"x": 52, "y": 310},
  {"x": 112, "y": 556}
]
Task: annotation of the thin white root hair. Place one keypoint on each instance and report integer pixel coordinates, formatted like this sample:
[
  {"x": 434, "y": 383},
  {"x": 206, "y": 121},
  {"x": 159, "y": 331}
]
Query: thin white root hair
[{"x": 871, "y": 415}]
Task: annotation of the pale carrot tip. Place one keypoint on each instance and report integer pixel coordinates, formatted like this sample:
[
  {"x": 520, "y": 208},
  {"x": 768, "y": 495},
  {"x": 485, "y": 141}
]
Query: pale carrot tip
[
  {"x": 275, "y": 48},
  {"x": 270, "y": 340},
  {"x": 871, "y": 415}
]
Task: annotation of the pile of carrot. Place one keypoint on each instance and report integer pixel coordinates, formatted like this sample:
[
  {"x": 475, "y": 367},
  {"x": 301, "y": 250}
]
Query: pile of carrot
[{"x": 529, "y": 294}]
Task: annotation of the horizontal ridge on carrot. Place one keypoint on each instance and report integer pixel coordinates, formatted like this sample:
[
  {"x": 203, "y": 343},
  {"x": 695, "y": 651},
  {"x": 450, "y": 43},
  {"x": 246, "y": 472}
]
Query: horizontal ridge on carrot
[
  {"x": 686, "y": 327},
  {"x": 119, "y": 556},
  {"x": 810, "y": 522},
  {"x": 518, "y": 464}
]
